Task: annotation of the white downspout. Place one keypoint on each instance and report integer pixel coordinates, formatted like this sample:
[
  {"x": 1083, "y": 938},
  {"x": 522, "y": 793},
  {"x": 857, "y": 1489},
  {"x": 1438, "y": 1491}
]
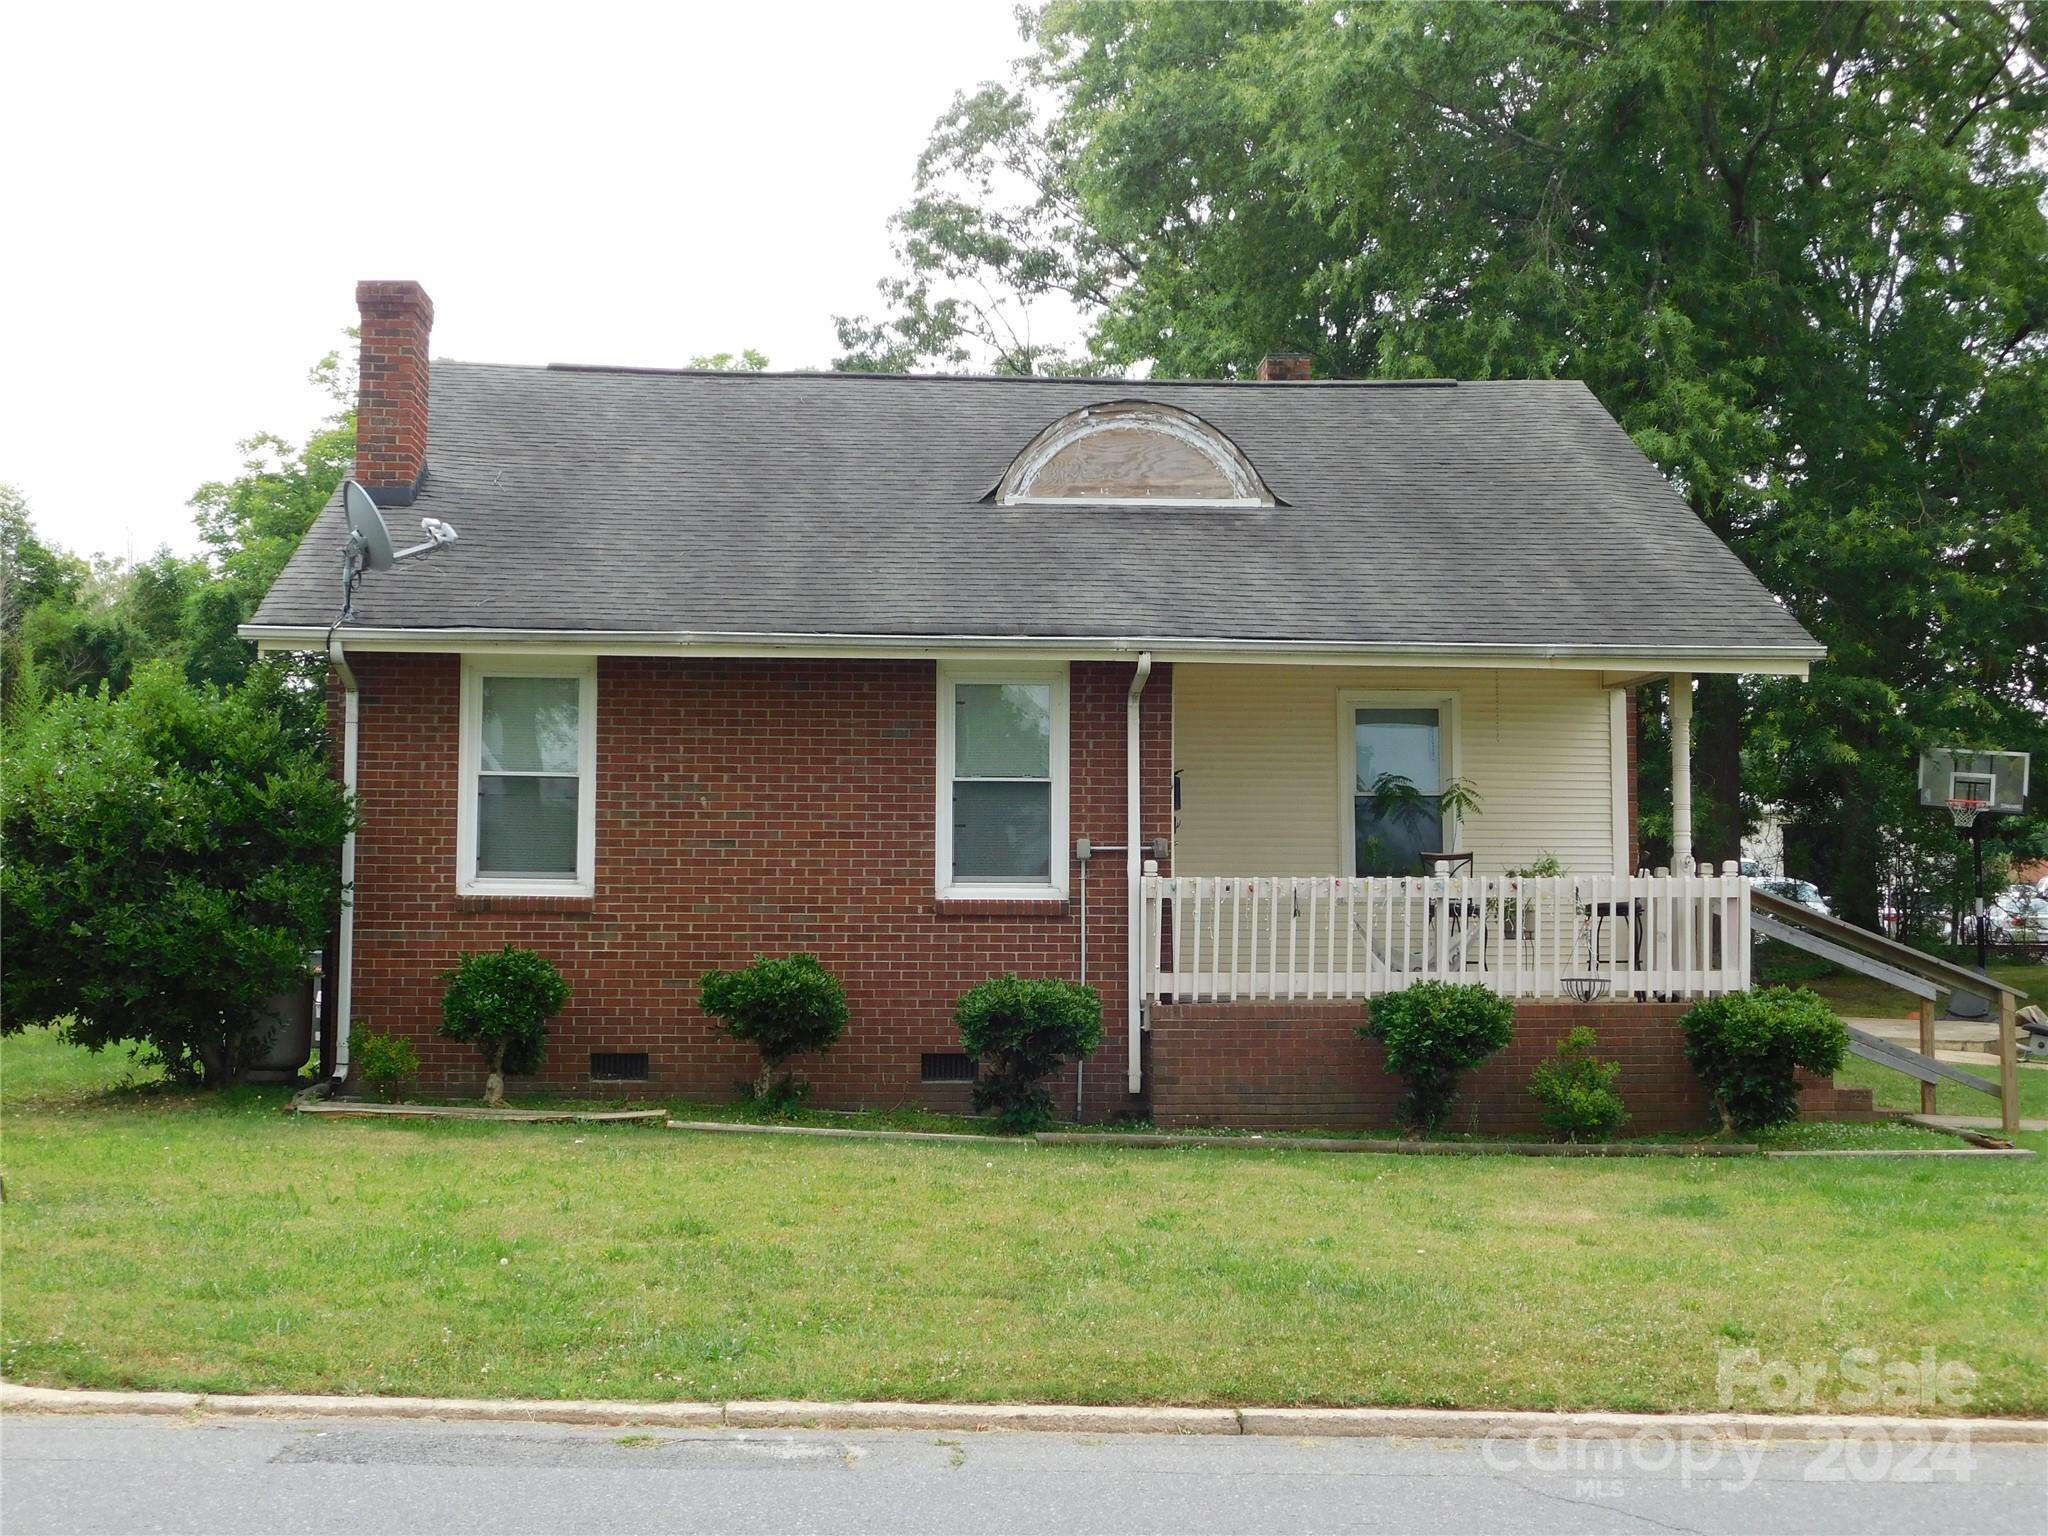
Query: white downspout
[
  {"x": 345, "y": 962},
  {"x": 1134, "y": 864}
]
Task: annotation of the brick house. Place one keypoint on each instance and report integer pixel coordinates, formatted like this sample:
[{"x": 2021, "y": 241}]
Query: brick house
[{"x": 1171, "y": 686}]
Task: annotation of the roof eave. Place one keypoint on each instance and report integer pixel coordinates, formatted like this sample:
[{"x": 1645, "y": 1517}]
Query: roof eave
[{"x": 1787, "y": 660}]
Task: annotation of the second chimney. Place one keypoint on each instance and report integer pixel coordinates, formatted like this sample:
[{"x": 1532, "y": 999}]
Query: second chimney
[
  {"x": 391, "y": 400},
  {"x": 1290, "y": 367}
]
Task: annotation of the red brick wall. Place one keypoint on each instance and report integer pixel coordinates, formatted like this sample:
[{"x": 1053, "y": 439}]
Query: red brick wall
[
  {"x": 1295, "y": 1065},
  {"x": 743, "y": 807}
]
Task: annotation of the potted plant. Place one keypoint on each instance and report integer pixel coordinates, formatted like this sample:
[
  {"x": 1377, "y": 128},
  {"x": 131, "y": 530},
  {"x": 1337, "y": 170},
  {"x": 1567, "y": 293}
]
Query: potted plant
[{"x": 1394, "y": 798}]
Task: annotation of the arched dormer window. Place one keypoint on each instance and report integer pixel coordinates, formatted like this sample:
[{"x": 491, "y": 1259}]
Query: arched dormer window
[{"x": 1133, "y": 452}]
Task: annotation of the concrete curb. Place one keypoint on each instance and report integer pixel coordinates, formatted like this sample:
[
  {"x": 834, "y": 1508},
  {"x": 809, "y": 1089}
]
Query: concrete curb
[
  {"x": 1043, "y": 1417},
  {"x": 280, "y": 1405},
  {"x": 1386, "y": 1423}
]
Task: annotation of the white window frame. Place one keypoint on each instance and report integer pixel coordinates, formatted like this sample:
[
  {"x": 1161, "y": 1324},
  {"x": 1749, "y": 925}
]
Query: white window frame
[
  {"x": 1247, "y": 489},
  {"x": 1055, "y": 889},
  {"x": 474, "y": 670},
  {"x": 1349, "y": 702}
]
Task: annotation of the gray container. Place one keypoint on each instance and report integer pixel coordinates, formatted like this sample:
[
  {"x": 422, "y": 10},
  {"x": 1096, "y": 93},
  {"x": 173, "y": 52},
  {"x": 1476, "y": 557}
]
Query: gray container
[{"x": 289, "y": 1019}]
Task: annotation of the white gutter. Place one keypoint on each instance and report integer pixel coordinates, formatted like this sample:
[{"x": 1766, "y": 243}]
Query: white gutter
[
  {"x": 1134, "y": 867},
  {"x": 1791, "y": 659},
  {"x": 342, "y": 973}
]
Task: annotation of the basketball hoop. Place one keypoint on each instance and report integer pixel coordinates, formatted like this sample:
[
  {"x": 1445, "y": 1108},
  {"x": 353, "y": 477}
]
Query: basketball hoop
[{"x": 1965, "y": 810}]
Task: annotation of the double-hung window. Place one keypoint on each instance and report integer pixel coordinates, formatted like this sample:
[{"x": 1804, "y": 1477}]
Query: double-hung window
[
  {"x": 1002, "y": 782},
  {"x": 529, "y": 756}
]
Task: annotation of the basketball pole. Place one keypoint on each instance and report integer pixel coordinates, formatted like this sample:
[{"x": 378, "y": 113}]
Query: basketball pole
[{"x": 1977, "y": 868}]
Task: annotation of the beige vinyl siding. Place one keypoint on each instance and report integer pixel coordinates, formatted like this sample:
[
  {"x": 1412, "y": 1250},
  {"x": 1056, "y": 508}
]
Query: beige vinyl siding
[{"x": 1258, "y": 751}]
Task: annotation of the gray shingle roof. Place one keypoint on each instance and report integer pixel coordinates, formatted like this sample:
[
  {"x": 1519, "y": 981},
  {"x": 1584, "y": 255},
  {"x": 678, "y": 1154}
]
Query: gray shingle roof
[{"x": 1486, "y": 514}]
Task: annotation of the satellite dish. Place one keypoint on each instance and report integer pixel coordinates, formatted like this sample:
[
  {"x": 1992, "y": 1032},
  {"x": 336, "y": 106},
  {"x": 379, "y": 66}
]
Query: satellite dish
[
  {"x": 369, "y": 539},
  {"x": 369, "y": 546}
]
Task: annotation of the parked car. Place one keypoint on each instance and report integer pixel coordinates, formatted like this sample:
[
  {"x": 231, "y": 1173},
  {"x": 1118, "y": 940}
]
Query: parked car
[
  {"x": 1801, "y": 892},
  {"x": 2019, "y": 915}
]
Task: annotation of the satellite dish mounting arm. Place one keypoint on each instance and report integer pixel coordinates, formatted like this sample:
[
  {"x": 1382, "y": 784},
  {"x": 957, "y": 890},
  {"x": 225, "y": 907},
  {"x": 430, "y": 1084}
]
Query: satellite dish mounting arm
[{"x": 369, "y": 546}]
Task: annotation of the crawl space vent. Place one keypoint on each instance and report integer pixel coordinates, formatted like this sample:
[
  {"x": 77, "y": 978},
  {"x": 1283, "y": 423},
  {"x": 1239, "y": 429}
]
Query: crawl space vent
[
  {"x": 618, "y": 1066},
  {"x": 947, "y": 1067}
]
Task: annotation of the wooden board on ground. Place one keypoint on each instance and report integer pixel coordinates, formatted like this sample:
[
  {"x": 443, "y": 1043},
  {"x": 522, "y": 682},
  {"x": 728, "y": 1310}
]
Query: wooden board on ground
[{"x": 344, "y": 1109}]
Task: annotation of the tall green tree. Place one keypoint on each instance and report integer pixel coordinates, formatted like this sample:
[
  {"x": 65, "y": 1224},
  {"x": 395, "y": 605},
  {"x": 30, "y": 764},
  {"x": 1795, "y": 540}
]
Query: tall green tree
[
  {"x": 1799, "y": 251},
  {"x": 166, "y": 865}
]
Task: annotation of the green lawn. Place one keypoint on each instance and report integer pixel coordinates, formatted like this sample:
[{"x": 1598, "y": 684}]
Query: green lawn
[
  {"x": 1858, "y": 996},
  {"x": 155, "y": 1240}
]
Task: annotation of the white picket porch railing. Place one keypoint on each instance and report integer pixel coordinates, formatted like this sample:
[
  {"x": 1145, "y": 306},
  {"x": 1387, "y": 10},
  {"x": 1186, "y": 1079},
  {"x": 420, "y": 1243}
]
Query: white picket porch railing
[{"x": 1228, "y": 937}]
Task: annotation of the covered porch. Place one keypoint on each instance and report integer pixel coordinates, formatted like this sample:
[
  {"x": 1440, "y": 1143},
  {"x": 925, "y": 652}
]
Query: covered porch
[{"x": 1341, "y": 832}]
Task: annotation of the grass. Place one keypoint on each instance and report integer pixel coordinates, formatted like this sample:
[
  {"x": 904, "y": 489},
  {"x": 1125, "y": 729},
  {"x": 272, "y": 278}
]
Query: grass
[
  {"x": 156, "y": 1239},
  {"x": 1858, "y": 996},
  {"x": 1854, "y": 995}
]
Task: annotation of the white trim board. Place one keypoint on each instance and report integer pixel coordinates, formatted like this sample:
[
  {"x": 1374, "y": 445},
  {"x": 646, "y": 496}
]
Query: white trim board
[
  {"x": 1449, "y": 742},
  {"x": 1055, "y": 677},
  {"x": 470, "y": 754},
  {"x": 1791, "y": 661}
]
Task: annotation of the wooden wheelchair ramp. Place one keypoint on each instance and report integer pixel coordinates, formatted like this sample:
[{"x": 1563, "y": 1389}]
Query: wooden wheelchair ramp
[{"x": 1923, "y": 976}]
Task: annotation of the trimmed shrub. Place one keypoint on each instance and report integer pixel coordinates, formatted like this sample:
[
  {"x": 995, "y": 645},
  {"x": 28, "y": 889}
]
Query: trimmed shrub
[
  {"x": 1577, "y": 1090},
  {"x": 500, "y": 1002},
  {"x": 386, "y": 1063},
  {"x": 783, "y": 1008},
  {"x": 1020, "y": 1031},
  {"x": 1433, "y": 1031},
  {"x": 1747, "y": 1048}
]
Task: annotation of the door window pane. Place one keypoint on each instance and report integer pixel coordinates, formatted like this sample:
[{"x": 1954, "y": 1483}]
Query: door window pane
[
  {"x": 1407, "y": 745},
  {"x": 1403, "y": 742},
  {"x": 1002, "y": 731},
  {"x": 1393, "y": 843},
  {"x": 526, "y": 827},
  {"x": 1002, "y": 830},
  {"x": 529, "y": 724}
]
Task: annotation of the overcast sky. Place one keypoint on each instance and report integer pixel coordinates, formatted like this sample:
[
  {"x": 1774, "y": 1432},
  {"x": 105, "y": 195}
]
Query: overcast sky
[{"x": 192, "y": 192}]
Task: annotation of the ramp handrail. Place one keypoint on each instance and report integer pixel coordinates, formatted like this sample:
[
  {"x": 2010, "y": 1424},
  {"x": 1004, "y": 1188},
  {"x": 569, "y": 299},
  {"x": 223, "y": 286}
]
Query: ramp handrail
[{"x": 1802, "y": 927}]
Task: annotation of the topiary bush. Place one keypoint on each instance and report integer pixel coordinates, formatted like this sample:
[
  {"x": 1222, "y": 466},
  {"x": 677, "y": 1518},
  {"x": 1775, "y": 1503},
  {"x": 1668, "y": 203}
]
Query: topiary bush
[
  {"x": 386, "y": 1063},
  {"x": 1020, "y": 1031},
  {"x": 1434, "y": 1030},
  {"x": 500, "y": 1001},
  {"x": 1747, "y": 1048},
  {"x": 784, "y": 1008},
  {"x": 1577, "y": 1090}
]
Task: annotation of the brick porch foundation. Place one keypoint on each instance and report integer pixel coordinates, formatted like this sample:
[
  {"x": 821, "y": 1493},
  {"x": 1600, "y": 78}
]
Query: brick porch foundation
[{"x": 1301, "y": 1065}]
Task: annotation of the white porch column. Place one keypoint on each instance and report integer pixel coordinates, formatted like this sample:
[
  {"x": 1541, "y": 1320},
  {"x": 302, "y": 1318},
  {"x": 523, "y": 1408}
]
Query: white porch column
[
  {"x": 1681, "y": 773},
  {"x": 1134, "y": 870}
]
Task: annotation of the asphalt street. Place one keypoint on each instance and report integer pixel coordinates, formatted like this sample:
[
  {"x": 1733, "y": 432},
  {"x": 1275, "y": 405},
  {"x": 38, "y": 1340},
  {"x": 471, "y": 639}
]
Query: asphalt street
[{"x": 115, "y": 1474}]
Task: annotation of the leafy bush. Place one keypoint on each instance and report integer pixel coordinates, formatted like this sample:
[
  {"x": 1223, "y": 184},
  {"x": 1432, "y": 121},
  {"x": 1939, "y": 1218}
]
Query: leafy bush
[
  {"x": 1577, "y": 1090},
  {"x": 500, "y": 1001},
  {"x": 167, "y": 863},
  {"x": 1433, "y": 1031},
  {"x": 385, "y": 1062},
  {"x": 1748, "y": 1046},
  {"x": 784, "y": 1008},
  {"x": 1020, "y": 1031}
]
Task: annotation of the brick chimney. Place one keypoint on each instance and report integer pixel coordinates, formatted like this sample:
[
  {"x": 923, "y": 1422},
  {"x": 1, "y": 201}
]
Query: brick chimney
[
  {"x": 391, "y": 402},
  {"x": 1289, "y": 367}
]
